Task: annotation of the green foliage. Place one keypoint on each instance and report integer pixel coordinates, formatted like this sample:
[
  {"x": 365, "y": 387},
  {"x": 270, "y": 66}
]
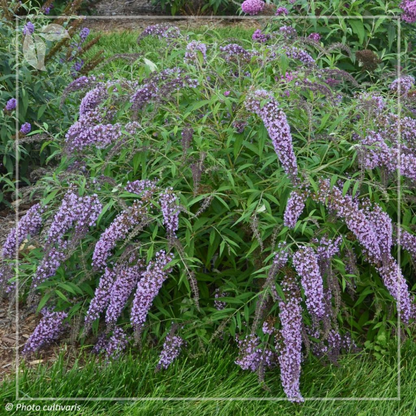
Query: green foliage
[
  {"x": 232, "y": 189},
  {"x": 39, "y": 93}
]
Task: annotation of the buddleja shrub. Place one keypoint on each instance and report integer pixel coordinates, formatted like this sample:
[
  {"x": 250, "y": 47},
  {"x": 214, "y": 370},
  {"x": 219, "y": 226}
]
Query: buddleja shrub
[
  {"x": 38, "y": 57},
  {"x": 242, "y": 190}
]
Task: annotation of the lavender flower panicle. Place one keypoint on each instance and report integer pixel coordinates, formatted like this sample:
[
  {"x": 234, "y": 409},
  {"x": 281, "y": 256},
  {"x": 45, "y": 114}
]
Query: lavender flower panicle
[
  {"x": 161, "y": 31},
  {"x": 354, "y": 217},
  {"x": 278, "y": 128},
  {"x": 405, "y": 82},
  {"x": 234, "y": 52},
  {"x": 112, "y": 347},
  {"x": 171, "y": 350},
  {"x": 294, "y": 209},
  {"x": 48, "y": 330},
  {"x": 249, "y": 353},
  {"x": 120, "y": 291},
  {"x": 259, "y": 36},
  {"x": 145, "y": 188},
  {"x": 116, "y": 344},
  {"x": 29, "y": 224},
  {"x": 117, "y": 230},
  {"x": 192, "y": 50},
  {"x": 408, "y": 242},
  {"x": 11, "y": 104},
  {"x": 281, "y": 11},
  {"x": 28, "y": 29},
  {"x": 409, "y": 11},
  {"x": 306, "y": 264},
  {"x": 147, "y": 289},
  {"x": 101, "y": 298},
  {"x": 291, "y": 333},
  {"x": 49, "y": 264},
  {"x": 170, "y": 211},
  {"x": 252, "y": 7},
  {"x": 26, "y": 128}
]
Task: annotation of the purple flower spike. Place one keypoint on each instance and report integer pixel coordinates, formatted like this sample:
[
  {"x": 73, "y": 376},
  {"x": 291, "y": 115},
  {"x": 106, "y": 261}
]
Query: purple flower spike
[
  {"x": 171, "y": 350},
  {"x": 101, "y": 298},
  {"x": 306, "y": 264},
  {"x": 147, "y": 289},
  {"x": 28, "y": 29},
  {"x": 26, "y": 128},
  {"x": 84, "y": 33},
  {"x": 11, "y": 104},
  {"x": 281, "y": 11},
  {"x": 252, "y": 7},
  {"x": 294, "y": 209},
  {"x": 409, "y": 11},
  {"x": 29, "y": 224},
  {"x": 170, "y": 211},
  {"x": 291, "y": 333},
  {"x": 48, "y": 330},
  {"x": 278, "y": 128}
]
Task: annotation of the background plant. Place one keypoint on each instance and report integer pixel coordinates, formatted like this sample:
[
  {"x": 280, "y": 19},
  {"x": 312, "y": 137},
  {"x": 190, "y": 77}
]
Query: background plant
[{"x": 39, "y": 90}]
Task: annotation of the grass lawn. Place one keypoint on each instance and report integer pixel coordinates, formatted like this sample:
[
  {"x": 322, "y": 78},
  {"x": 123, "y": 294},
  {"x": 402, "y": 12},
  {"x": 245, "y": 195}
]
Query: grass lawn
[{"x": 214, "y": 375}]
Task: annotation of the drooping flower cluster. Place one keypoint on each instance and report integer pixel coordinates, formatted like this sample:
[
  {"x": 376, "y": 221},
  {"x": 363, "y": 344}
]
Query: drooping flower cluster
[
  {"x": 373, "y": 102},
  {"x": 354, "y": 217},
  {"x": 315, "y": 36},
  {"x": 117, "y": 230},
  {"x": 373, "y": 231},
  {"x": 192, "y": 50},
  {"x": 170, "y": 212},
  {"x": 250, "y": 352},
  {"x": 93, "y": 99},
  {"x": 405, "y": 83},
  {"x": 116, "y": 344},
  {"x": 127, "y": 278},
  {"x": 234, "y": 52},
  {"x": 101, "y": 298},
  {"x": 48, "y": 330},
  {"x": 49, "y": 264},
  {"x": 147, "y": 289},
  {"x": 288, "y": 32},
  {"x": 112, "y": 347},
  {"x": 11, "y": 104},
  {"x": 327, "y": 248},
  {"x": 409, "y": 11},
  {"x": 278, "y": 128},
  {"x": 397, "y": 286},
  {"x": 145, "y": 188},
  {"x": 306, "y": 264},
  {"x": 171, "y": 350},
  {"x": 161, "y": 31},
  {"x": 281, "y": 11},
  {"x": 299, "y": 54},
  {"x": 294, "y": 209},
  {"x": 291, "y": 333},
  {"x": 29, "y": 224},
  {"x": 160, "y": 86},
  {"x": 376, "y": 153},
  {"x": 408, "y": 242},
  {"x": 259, "y": 36},
  {"x": 252, "y": 7},
  {"x": 93, "y": 128}
]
